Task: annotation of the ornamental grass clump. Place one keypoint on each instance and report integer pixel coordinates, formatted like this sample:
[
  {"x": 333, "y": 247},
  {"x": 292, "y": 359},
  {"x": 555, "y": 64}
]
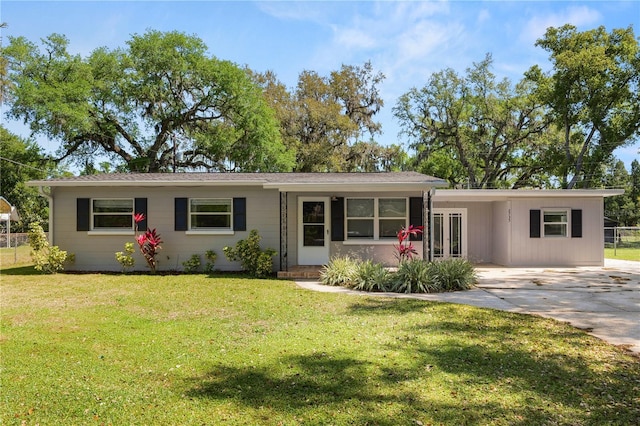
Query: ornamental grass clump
[
  {"x": 371, "y": 276},
  {"x": 452, "y": 274},
  {"x": 340, "y": 271},
  {"x": 413, "y": 276}
]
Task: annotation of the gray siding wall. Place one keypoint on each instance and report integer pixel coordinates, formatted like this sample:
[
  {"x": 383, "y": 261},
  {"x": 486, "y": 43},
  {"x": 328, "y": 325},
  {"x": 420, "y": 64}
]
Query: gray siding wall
[
  {"x": 585, "y": 251},
  {"x": 97, "y": 252},
  {"x": 479, "y": 228},
  {"x": 501, "y": 241}
]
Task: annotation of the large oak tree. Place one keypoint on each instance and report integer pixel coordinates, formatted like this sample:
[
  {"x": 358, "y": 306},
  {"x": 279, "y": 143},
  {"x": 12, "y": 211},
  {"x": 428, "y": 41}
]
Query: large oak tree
[
  {"x": 475, "y": 130},
  {"x": 22, "y": 160},
  {"x": 592, "y": 94},
  {"x": 160, "y": 104},
  {"x": 329, "y": 120}
]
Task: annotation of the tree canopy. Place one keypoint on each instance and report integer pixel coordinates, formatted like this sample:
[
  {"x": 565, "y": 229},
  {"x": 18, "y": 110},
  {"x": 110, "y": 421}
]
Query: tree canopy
[
  {"x": 159, "y": 104},
  {"x": 592, "y": 95},
  {"x": 329, "y": 120},
  {"x": 20, "y": 161},
  {"x": 475, "y": 130},
  {"x": 624, "y": 208}
]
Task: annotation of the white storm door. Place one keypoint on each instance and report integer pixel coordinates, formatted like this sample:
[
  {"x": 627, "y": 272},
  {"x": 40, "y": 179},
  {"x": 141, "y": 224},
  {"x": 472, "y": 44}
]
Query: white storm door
[
  {"x": 313, "y": 231},
  {"x": 449, "y": 233}
]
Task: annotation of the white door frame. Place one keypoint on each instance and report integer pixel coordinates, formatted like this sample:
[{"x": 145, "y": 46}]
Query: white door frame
[
  {"x": 446, "y": 234},
  {"x": 313, "y": 255}
]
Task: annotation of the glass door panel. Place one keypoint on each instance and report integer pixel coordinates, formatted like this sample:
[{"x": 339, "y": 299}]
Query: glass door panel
[
  {"x": 438, "y": 240},
  {"x": 449, "y": 233},
  {"x": 313, "y": 220}
]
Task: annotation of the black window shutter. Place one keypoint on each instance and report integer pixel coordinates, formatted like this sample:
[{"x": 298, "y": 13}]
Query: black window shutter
[
  {"x": 140, "y": 206},
  {"x": 534, "y": 223},
  {"x": 83, "y": 214},
  {"x": 415, "y": 215},
  {"x": 181, "y": 212},
  {"x": 576, "y": 223},
  {"x": 239, "y": 214},
  {"x": 337, "y": 219}
]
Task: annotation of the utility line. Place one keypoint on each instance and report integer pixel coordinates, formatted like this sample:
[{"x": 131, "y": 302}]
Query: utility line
[{"x": 22, "y": 164}]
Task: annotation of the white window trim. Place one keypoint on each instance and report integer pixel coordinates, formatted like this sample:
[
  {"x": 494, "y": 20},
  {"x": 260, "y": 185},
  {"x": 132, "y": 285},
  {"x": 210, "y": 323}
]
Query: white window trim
[
  {"x": 209, "y": 231},
  {"x": 376, "y": 240},
  {"x": 111, "y": 231},
  {"x": 107, "y": 232},
  {"x": 567, "y": 212},
  {"x": 364, "y": 241}
]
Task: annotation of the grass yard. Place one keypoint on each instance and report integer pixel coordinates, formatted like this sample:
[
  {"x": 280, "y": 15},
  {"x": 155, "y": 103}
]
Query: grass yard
[
  {"x": 15, "y": 257},
  {"x": 191, "y": 349},
  {"x": 628, "y": 247},
  {"x": 624, "y": 253}
]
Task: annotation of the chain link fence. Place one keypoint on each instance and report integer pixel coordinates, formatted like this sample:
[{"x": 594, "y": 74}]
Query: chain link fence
[
  {"x": 15, "y": 240},
  {"x": 622, "y": 237}
]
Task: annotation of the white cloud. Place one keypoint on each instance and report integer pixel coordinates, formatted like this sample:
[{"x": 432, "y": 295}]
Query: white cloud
[
  {"x": 293, "y": 10},
  {"x": 577, "y": 16},
  {"x": 483, "y": 16},
  {"x": 354, "y": 39}
]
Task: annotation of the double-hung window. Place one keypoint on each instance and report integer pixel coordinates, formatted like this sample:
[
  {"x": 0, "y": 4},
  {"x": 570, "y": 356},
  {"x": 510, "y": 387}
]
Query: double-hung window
[
  {"x": 116, "y": 214},
  {"x": 555, "y": 223},
  {"x": 375, "y": 218},
  {"x": 210, "y": 214}
]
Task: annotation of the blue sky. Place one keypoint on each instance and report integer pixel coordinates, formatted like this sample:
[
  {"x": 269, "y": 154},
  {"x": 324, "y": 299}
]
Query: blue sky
[{"x": 406, "y": 41}]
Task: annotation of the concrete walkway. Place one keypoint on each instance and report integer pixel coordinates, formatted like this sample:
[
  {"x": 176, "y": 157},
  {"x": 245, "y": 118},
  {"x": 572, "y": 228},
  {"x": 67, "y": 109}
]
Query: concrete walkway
[{"x": 604, "y": 301}]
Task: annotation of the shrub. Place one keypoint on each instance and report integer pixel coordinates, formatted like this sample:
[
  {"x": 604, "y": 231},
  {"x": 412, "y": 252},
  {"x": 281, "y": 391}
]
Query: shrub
[
  {"x": 340, "y": 271},
  {"x": 371, "y": 276},
  {"x": 48, "y": 259},
  {"x": 211, "y": 257},
  {"x": 149, "y": 243},
  {"x": 452, "y": 274},
  {"x": 193, "y": 264},
  {"x": 413, "y": 277},
  {"x": 404, "y": 248},
  {"x": 125, "y": 258},
  {"x": 253, "y": 259}
]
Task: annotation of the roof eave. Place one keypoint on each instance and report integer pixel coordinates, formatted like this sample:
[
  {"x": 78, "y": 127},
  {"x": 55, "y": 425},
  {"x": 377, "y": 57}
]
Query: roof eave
[
  {"x": 138, "y": 183},
  {"x": 504, "y": 194},
  {"x": 352, "y": 187}
]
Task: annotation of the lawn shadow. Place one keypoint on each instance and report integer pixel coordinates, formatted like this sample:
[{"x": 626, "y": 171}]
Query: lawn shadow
[
  {"x": 389, "y": 306},
  {"x": 19, "y": 270},
  {"x": 321, "y": 388},
  {"x": 496, "y": 356}
]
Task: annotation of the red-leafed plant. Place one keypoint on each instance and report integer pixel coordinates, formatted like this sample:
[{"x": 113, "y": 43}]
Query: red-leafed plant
[
  {"x": 149, "y": 243},
  {"x": 404, "y": 248}
]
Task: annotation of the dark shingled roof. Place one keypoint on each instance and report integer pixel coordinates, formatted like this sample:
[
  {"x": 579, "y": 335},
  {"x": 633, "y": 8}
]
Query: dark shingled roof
[{"x": 257, "y": 178}]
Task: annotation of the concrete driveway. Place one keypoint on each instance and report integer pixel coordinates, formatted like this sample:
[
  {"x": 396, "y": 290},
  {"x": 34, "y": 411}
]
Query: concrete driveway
[{"x": 604, "y": 301}]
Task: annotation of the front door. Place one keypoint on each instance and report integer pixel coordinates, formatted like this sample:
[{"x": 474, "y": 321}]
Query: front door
[
  {"x": 313, "y": 231},
  {"x": 449, "y": 233}
]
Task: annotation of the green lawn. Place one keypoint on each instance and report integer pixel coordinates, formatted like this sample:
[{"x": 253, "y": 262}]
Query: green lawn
[
  {"x": 191, "y": 350},
  {"x": 626, "y": 249},
  {"x": 13, "y": 257},
  {"x": 623, "y": 254}
]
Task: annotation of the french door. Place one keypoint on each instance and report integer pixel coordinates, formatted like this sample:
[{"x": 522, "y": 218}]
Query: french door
[
  {"x": 449, "y": 233},
  {"x": 313, "y": 231}
]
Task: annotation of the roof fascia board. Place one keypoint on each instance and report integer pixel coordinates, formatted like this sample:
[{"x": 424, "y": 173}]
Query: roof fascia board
[
  {"x": 138, "y": 183},
  {"x": 497, "y": 195},
  {"x": 350, "y": 187}
]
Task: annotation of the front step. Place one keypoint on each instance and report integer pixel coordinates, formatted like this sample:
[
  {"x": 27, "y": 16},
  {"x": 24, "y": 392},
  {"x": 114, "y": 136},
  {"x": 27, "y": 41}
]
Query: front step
[{"x": 306, "y": 272}]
